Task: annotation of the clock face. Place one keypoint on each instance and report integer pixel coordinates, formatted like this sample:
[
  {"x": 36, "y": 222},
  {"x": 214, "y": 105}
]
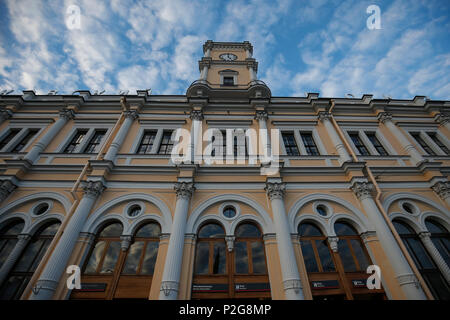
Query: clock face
[{"x": 228, "y": 57}]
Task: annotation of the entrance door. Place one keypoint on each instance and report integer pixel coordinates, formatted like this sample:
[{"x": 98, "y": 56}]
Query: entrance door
[
  {"x": 336, "y": 275},
  {"x": 234, "y": 271},
  {"x": 111, "y": 273}
]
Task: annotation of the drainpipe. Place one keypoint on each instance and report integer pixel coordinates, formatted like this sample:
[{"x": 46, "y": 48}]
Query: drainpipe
[
  {"x": 73, "y": 191},
  {"x": 381, "y": 208}
]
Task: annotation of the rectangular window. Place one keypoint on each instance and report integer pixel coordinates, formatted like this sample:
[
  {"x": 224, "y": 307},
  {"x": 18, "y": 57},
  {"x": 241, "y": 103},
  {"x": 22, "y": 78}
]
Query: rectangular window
[
  {"x": 376, "y": 143},
  {"x": 228, "y": 81},
  {"x": 95, "y": 141},
  {"x": 416, "y": 135},
  {"x": 309, "y": 143},
  {"x": 12, "y": 133},
  {"x": 30, "y": 134},
  {"x": 76, "y": 140},
  {"x": 359, "y": 144},
  {"x": 289, "y": 144},
  {"x": 147, "y": 142},
  {"x": 166, "y": 143},
  {"x": 436, "y": 140}
]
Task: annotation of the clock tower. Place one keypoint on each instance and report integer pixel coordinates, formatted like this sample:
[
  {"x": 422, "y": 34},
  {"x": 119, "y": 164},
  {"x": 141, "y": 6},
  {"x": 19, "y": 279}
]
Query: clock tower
[{"x": 227, "y": 67}]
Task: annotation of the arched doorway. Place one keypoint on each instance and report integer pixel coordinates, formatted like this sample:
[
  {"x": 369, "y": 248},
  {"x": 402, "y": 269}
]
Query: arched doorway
[
  {"x": 230, "y": 268},
  {"x": 18, "y": 278},
  {"x": 427, "y": 267},
  {"x": 339, "y": 274},
  {"x": 112, "y": 273}
]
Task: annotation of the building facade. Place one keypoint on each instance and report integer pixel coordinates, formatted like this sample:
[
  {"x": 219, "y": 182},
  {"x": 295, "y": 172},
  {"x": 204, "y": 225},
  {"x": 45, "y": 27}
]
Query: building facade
[{"x": 224, "y": 192}]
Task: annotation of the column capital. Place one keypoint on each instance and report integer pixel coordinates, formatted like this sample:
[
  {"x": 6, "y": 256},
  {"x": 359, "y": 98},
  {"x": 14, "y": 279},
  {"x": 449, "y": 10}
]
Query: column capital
[
  {"x": 230, "y": 242},
  {"x": 324, "y": 115},
  {"x": 184, "y": 189},
  {"x": 168, "y": 286},
  {"x": 23, "y": 237},
  {"x": 442, "y": 189},
  {"x": 93, "y": 189},
  {"x": 362, "y": 189},
  {"x": 442, "y": 118},
  {"x": 275, "y": 190},
  {"x": 333, "y": 242},
  {"x": 384, "y": 116},
  {"x": 132, "y": 114},
  {"x": 6, "y": 187},
  {"x": 368, "y": 236},
  {"x": 425, "y": 235},
  {"x": 261, "y": 115},
  {"x": 66, "y": 114},
  {"x": 196, "y": 115},
  {"x": 125, "y": 242}
]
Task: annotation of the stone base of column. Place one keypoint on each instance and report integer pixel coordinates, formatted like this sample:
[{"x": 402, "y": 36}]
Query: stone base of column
[
  {"x": 44, "y": 290},
  {"x": 293, "y": 289},
  {"x": 411, "y": 286}
]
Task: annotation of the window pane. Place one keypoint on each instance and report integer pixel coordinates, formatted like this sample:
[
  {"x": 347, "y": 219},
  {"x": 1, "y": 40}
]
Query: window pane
[
  {"x": 12, "y": 229},
  {"x": 422, "y": 143},
  {"x": 359, "y": 144},
  {"x": 202, "y": 258},
  {"x": 151, "y": 230},
  {"x": 343, "y": 229},
  {"x": 258, "y": 259},
  {"x": 133, "y": 258},
  {"x": 24, "y": 264},
  {"x": 151, "y": 253},
  {"x": 211, "y": 230},
  {"x": 309, "y": 230},
  {"x": 438, "y": 285},
  {"x": 359, "y": 253},
  {"x": 346, "y": 256},
  {"x": 402, "y": 228},
  {"x": 96, "y": 255},
  {"x": 11, "y": 287},
  {"x": 219, "y": 258},
  {"x": 436, "y": 140},
  {"x": 111, "y": 257},
  {"x": 147, "y": 141},
  {"x": 12, "y": 133},
  {"x": 248, "y": 230},
  {"x": 112, "y": 230},
  {"x": 95, "y": 141},
  {"x": 76, "y": 141},
  {"x": 376, "y": 143},
  {"x": 308, "y": 256},
  {"x": 241, "y": 257},
  {"x": 309, "y": 143},
  {"x": 25, "y": 140},
  {"x": 290, "y": 144},
  {"x": 325, "y": 256},
  {"x": 6, "y": 246},
  {"x": 440, "y": 244},
  {"x": 419, "y": 251},
  {"x": 40, "y": 255},
  {"x": 50, "y": 230},
  {"x": 435, "y": 227}
]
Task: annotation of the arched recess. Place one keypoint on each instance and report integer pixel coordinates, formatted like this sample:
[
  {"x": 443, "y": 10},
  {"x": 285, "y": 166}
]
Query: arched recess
[
  {"x": 359, "y": 220},
  {"x": 436, "y": 217},
  {"x": 264, "y": 220},
  {"x": 412, "y": 196},
  {"x": 97, "y": 217}
]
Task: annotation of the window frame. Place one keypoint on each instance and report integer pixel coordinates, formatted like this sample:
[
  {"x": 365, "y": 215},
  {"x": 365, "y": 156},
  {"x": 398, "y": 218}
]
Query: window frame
[
  {"x": 87, "y": 138},
  {"x": 18, "y": 138}
]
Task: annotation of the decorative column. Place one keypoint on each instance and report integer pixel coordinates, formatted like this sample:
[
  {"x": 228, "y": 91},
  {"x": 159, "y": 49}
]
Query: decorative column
[
  {"x": 443, "y": 191},
  {"x": 13, "y": 256},
  {"x": 291, "y": 278},
  {"x": 261, "y": 116},
  {"x": 204, "y": 67},
  {"x": 4, "y": 115},
  {"x": 425, "y": 237},
  {"x": 196, "y": 135},
  {"x": 6, "y": 187},
  {"x": 443, "y": 119},
  {"x": 403, "y": 272},
  {"x": 386, "y": 119},
  {"x": 48, "y": 281},
  {"x": 120, "y": 137},
  {"x": 170, "y": 282},
  {"x": 325, "y": 117},
  {"x": 64, "y": 116}
]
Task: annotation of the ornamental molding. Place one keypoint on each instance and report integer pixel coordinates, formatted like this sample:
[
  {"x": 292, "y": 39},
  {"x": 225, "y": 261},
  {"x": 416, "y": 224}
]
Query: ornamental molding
[
  {"x": 131, "y": 114},
  {"x": 324, "y": 115},
  {"x": 230, "y": 242},
  {"x": 6, "y": 187},
  {"x": 442, "y": 118},
  {"x": 196, "y": 115},
  {"x": 66, "y": 114},
  {"x": 261, "y": 115},
  {"x": 384, "y": 116},
  {"x": 333, "y": 242},
  {"x": 362, "y": 189},
  {"x": 442, "y": 189},
  {"x": 184, "y": 190},
  {"x": 275, "y": 190},
  {"x": 125, "y": 242},
  {"x": 93, "y": 189}
]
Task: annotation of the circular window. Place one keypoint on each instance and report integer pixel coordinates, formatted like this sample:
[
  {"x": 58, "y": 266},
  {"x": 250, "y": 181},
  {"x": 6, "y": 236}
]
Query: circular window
[
  {"x": 40, "y": 209},
  {"x": 408, "y": 208},
  {"x": 134, "y": 210},
  {"x": 229, "y": 212},
  {"x": 322, "y": 210}
]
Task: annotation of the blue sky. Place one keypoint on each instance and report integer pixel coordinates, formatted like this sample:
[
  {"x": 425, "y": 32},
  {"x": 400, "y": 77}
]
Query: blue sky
[{"x": 302, "y": 46}]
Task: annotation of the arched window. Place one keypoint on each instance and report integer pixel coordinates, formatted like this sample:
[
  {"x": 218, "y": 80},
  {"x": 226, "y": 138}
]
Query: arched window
[
  {"x": 104, "y": 255},
  {"x": 423, "y": 261},
  {"x": 440, "y": 237},
  {"x": 249, "y": 254},
  {"x": 351, "y": 250},
  {"x": 316, "y": 252},
  {"x": 24, "y": 268},
  {"x": 141, "y": 257},
  {"x": 8, "y": 238},
  {"x": 210, "y": 255}
]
